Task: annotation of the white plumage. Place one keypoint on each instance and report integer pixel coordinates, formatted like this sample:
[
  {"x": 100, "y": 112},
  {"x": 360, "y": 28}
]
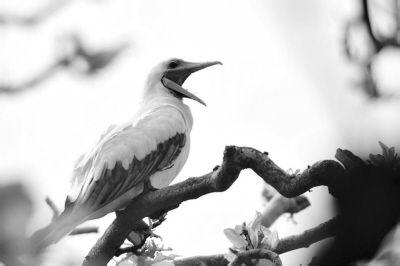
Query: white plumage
[{"x": 158, "y": 120}]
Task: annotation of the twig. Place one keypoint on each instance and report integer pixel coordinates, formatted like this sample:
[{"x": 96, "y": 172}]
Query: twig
[
  {"x": 31, "y": 83},
  {"x": 131, "y": 249},
  {"x": 248, "y": 256},
  {"x": 308, "y": 237},
  {"x": 235, "y": 159},
  {"x": 142, "y": 230},
  {"x": 53, "y": 207},
  {"x": 218, "y": 259},
  {"x": 84, "y": 230},
  {"x": 277, "y": 205}
]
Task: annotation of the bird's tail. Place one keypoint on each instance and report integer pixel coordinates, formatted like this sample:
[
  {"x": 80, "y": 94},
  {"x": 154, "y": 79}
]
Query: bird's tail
[{"x": 57, "y": 229}]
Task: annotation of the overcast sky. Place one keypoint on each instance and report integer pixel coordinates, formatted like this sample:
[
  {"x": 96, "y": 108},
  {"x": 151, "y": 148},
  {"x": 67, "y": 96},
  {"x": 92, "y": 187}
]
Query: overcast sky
[{"x": 284, "y": 88}]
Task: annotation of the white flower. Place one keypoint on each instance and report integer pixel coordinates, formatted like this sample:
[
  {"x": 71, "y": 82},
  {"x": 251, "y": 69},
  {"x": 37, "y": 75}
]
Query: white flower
[
  {"x": 252, "y": 236},
  {"x": 236, "y": 239},
  {"x": 270, "y": 240}
]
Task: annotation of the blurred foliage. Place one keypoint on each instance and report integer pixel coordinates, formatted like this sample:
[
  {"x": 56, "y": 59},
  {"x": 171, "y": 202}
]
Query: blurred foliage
[
  {"x": 388, "y": 159},
  {"x": 15, "y": 211},
  {"x": 74, "y": 56},
  {"x": 376, "y": 28},
  {"x": 368, "y": 204},
  {"x": 389, "y": 252}
]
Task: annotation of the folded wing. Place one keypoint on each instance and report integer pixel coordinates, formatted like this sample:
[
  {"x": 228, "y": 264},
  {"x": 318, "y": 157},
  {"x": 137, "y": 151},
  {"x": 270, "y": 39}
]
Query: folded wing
[{"x": 127, "y": 156}]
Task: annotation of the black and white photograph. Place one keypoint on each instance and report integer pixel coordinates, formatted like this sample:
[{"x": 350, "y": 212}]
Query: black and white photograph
[{"x": 199, "y": 133}]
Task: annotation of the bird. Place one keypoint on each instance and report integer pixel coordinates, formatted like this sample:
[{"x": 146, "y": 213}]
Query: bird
[{"x": 132, "y": 158}]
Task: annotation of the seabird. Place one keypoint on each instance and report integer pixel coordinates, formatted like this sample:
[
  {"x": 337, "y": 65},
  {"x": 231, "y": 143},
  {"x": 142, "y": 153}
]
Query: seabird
[{"x": 144, "y": 153}]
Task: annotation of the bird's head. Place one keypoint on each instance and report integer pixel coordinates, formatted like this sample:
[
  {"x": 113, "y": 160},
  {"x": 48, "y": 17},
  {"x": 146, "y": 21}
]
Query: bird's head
[{"x": 169, "y": 76}]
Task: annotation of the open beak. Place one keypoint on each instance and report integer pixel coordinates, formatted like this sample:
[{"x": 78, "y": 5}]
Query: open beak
[{"x": 174, "y": 78}]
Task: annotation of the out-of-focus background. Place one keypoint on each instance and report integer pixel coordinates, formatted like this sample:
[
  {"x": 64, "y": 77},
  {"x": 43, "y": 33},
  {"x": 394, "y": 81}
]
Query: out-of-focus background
[{"x": 286, "y": 87}]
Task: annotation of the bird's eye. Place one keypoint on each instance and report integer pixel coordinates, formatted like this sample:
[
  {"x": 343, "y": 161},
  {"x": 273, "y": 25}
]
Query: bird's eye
[{"x": 173, "y": 64}]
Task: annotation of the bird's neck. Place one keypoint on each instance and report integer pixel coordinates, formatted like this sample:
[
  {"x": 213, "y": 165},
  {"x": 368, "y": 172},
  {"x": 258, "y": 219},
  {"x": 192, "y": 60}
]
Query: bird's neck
[{"x": 160, "y": 100}]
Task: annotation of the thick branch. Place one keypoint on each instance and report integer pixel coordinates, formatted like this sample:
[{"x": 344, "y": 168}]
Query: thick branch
[{"x": 235, "y": 159}]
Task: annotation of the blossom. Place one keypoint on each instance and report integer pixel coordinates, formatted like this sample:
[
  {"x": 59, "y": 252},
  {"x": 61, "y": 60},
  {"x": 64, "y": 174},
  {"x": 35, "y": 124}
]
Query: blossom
[
  {"x": 151, "y": 255},
  {"x": 250, "y": 236}
]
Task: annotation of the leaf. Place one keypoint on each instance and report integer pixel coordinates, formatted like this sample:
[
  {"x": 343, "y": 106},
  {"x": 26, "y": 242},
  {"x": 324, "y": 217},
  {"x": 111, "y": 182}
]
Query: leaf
[
  {"x": 388, "y": 158},
  {"x": 376, "y": 159},
  {"x": 237, "y": 240},
  {"x": 349, "y": 160}
]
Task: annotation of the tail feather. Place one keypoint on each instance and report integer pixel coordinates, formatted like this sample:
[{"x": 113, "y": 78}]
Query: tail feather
[{"x": 53, "y": 233}]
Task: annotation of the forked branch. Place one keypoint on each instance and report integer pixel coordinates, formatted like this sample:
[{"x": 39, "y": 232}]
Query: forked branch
[{"x": 235, "y": 159}]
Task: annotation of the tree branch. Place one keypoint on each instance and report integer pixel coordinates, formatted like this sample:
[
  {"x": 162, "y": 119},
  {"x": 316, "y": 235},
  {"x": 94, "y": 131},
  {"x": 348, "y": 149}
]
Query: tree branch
[
  {"x": 32, "y": 82},
  {"x": 308, "y": 237},
  {"x": 278, "y": 205},
  {"x": 235, "y": 159},
  {"x": 53, "y": 207},
  {"x": 83, "y": 60},
  {"x": 84, "y": 230},
  {"x": 303, "y": 240},
  {"x": 247, "y": 256}
]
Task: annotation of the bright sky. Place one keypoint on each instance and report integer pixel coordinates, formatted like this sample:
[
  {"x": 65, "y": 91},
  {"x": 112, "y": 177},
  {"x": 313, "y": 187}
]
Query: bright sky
[{"x": 284, "y": 88}]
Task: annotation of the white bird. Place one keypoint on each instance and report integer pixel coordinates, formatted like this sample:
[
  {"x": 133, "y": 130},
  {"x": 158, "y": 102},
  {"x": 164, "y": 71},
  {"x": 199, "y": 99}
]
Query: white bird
[{"x": 129, "y": 159}]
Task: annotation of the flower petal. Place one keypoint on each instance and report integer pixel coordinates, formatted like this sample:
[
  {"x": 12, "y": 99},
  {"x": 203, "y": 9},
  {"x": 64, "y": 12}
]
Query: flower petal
[
  {"x": 229, "y": 256},
  {"x": 253, "y": 234},
  {"x": 237, "y": 240},
  {"x": 256, "y": 222},
  {"x": 265, "y": 231},
  {"x": 274, "y": 239},
  {"x": 239, "y": 229},
  {"x": 270, "y": 241}
]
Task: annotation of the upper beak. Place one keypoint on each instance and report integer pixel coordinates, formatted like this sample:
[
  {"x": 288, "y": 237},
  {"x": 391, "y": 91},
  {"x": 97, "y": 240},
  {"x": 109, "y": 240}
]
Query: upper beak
[{"x": 174, "y": 78}]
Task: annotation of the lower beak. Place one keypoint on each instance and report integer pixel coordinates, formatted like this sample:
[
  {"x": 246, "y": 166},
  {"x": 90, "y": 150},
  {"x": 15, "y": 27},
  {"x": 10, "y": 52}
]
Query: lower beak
[{"x": 177, "y": 88}]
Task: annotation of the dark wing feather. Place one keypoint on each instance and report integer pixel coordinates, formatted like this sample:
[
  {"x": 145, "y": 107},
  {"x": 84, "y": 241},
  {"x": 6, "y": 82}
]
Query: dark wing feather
[{"x": 115, "y": 182}]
